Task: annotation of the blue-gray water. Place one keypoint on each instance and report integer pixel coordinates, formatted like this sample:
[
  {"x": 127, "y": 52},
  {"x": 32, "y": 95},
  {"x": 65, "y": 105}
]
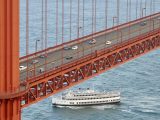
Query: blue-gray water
[{"x": 138, "y": 80}]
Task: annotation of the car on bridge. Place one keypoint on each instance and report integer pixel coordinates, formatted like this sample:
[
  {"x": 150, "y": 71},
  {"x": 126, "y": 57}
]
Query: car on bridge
[
  {"x": 67, "y": 48},
  {"x": 143, "y": 23},
  {"x": 68, "y": 57},
  {"x": 43, "y": 56},
  {"x": 22, "y": 67},
  {"x": 35, "y": 61},
  {"x": 108, "y": 42},
  {"x": 75, "y": 47},
  {"x": 41, "y": 70},
  {"x": 93, "y": 41}
]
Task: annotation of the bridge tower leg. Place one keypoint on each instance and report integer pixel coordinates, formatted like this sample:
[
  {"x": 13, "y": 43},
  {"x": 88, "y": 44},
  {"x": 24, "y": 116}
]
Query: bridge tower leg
[{"x": 9, "y": 60}]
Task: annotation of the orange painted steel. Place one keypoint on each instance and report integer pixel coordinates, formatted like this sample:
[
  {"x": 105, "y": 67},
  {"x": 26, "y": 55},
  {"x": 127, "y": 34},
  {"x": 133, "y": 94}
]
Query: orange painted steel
[
  {"x": 89, "y": 66},
  {"x": 10, "y": 90},
  {"x": 15, "y": 95}
]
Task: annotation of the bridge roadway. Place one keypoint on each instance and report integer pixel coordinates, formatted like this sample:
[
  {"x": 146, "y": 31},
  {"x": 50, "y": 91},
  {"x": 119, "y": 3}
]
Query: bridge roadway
[{"x": 57, "y": 56}]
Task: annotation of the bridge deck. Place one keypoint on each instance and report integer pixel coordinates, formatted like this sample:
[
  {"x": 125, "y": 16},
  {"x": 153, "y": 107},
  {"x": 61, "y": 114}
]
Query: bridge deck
[{"x": 57, "y": 56}]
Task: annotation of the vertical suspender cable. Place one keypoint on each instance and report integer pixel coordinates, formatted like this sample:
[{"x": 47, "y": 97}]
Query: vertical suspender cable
[
  {"x": 117, "y": 20},
  {"x": 46, "y": 32},
  {"x": 145, "y": 12},
  {"x": 83, "y": 27},
  {"x": 151, "y": 6},
  {"x": 129, "y": 18},
  {"x": 78, "y": 19},
  {"x": 78, "y": 26},
  {"x": 42, "y": 25},
  {"x": 95, "y": 12},
  {"x": 92, "y": 21},
  {"x": 70, "y": 19},
  {"x": 57, "y": 21},
  {"x": 95, "y": 21},
  {"x": 62, "y": 30},
  {"x": 154, "y": 6},
  {"x": 150, "y": 26},
  {"x": 27, "y": 36},
  {"x": 106, "y": 14},
  {"x": 106, "y": 20},
  {"x": 154, "y": 11},
  {"x": 145, "y": 8},
  {"x": 118, "y": 4},
  {"x": 140, "y": 9},
  {"x": 136, "y": 9},
  {"x": 127, "y": 12}
]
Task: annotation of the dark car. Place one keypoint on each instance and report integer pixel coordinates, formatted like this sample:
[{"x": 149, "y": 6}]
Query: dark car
[
  {"x": 67, "y": 48},
  {"x": 43, "y": 56},
  {"x": 92, "y": 41},
  {"x": 68, "y": 57},
  {"x": 143, "y": 23}
]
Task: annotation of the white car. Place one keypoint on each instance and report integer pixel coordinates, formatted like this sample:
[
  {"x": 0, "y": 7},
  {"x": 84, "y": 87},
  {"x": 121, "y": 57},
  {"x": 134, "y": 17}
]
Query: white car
[
  {"x": 75, "y": 47},
  {"x": 108, "y": 42},
  {"x": 35, "y": 61},
  {"x": 22, "y": 68},
  {"x": 42, "y": 56}
]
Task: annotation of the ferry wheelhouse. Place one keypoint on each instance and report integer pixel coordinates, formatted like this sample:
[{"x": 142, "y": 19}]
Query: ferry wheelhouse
[{"x": 86, "y": 98}]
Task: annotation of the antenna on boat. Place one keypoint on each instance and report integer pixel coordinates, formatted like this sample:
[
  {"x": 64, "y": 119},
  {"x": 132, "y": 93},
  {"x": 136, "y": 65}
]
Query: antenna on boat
[
  {"x": 93, "y": 86},
  {"x": 103, "y": 88}
]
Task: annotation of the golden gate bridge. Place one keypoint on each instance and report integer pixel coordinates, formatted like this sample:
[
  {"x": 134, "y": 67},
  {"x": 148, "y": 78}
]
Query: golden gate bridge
[{"x": 37, "y": 75}]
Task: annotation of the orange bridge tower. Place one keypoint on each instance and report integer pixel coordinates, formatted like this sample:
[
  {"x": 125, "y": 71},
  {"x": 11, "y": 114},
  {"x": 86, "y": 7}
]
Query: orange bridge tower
[{"x": 9, "y": 60}]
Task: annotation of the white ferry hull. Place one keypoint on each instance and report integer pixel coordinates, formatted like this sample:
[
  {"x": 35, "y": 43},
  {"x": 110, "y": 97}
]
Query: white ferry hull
[
  {"x": 78, "y": 105},
  {"x": 85, "y": 102}
]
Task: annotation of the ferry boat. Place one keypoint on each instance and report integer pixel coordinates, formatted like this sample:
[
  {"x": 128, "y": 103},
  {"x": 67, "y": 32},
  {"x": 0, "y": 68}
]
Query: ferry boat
[{"x": 86, "y": 98}]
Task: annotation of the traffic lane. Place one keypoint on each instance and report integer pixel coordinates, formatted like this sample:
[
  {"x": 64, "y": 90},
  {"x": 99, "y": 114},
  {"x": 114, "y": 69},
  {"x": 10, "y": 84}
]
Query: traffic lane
[
  {"x": 93, "y": 46},
  {"x": 86, "y": 52},
  {"x": 133, "y": 25},
  {"x": 143, "y": 29},
  {"x": 149, "y": 19},
  {"x": 43, "y": 61},
  {"x": 125, "y": 29},
  {"x": 64, "y": 60},
  {"x": 57, "y": 62}
]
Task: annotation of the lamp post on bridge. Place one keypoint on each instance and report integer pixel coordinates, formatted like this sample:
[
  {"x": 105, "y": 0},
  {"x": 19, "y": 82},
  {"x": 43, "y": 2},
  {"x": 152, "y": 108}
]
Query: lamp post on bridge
[
  {"x": 143, "y": 12},
  {"x": 36, "y": 45},
  {"x": 80, "y": 35},
  {"x": 115, "y": 17},
  {"x": 34, "y": 62}
]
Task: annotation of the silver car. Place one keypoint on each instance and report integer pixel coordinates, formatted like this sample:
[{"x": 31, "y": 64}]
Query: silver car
[{"x": 35, "y": 61}]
